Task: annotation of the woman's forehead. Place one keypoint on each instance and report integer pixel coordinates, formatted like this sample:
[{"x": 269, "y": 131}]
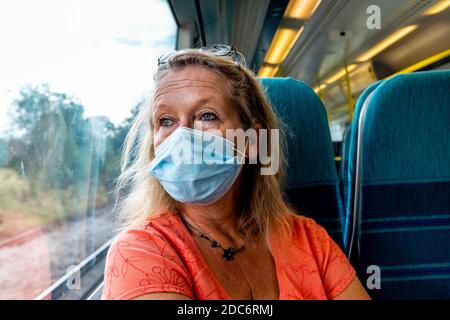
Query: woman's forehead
[{"x": 200, "y": 80}]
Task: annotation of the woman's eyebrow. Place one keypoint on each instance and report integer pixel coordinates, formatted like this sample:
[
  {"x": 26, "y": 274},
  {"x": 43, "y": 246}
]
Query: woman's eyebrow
[
  {"x": 160, "y": 106},
  {"x": 158, "y": 109}
]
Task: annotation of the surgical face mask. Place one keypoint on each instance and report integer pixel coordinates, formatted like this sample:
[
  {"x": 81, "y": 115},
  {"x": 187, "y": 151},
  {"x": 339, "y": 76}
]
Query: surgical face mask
[{"x": 196, "y": 167}]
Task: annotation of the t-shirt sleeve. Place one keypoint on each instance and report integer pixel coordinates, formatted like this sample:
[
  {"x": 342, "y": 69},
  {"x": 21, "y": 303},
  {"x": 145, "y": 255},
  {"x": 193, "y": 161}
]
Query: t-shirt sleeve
[
  {"x": 141, "y": 262},
  {"x": 335, "y": 270}
]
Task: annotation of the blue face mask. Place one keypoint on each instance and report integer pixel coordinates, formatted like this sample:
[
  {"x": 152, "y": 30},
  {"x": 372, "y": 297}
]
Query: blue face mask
[{"x": 196, "y": 167}]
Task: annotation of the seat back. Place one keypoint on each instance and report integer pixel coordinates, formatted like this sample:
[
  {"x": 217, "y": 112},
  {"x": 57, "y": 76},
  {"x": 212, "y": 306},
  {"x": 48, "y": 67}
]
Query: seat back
[
  {"x": 312, "y": 183},
  {"x": 402, "y": 186}
]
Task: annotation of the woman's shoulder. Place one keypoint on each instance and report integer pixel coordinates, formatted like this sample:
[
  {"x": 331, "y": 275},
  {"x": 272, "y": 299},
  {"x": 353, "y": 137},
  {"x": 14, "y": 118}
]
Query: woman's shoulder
[
  {"x": 161, "y": 225},
  {"x": 311, "y": 237},
  {"x": 315, "y": 249},
  {"x": 145, "y": 258},
  {"x": 307, "y": 225}
]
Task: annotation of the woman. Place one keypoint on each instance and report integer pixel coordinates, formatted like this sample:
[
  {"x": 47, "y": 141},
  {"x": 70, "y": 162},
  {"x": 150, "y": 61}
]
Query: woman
[{"x": 214, "y": 231}]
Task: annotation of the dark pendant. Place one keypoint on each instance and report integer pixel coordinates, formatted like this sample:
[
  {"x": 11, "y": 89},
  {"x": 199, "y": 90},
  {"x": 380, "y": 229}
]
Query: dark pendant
[
  {"x": 214, "y": 244},
  {"x": 228, "y": 254}
]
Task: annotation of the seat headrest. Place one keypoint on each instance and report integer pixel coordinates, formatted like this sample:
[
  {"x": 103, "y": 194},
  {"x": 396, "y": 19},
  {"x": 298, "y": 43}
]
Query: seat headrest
[
  {"x": 406, "y": 134},
  {"x": 310, "y": 155}
]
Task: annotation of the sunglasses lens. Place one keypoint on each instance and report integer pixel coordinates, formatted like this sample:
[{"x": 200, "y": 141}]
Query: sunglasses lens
[
  {"x": 165, "y": 57},
  {"x": 216, "y": 49}
]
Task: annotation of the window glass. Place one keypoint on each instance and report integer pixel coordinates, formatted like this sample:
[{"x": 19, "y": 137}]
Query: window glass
[{"x": 73, "y": 74}]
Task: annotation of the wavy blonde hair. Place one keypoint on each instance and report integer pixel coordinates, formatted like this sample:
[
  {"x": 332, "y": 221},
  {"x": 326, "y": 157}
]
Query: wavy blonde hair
[{"x": 263, "y": 205}]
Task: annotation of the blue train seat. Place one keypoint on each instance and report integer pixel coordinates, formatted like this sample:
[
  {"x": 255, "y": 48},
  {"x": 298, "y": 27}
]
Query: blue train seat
[
  {"x": 402, "y": 186},
  {"x": 312, "y": 182}
]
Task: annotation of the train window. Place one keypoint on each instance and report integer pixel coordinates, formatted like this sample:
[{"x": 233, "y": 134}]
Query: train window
[
  {"x": 73, "y": 73},
  {"x": 361, "y": 90}
]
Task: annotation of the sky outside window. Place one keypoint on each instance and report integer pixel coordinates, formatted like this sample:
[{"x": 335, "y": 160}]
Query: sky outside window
[{"x": 103, "y": 52}]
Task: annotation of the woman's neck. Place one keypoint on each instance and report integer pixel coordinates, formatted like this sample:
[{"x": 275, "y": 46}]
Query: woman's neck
[{"x": 217, "y": 220}]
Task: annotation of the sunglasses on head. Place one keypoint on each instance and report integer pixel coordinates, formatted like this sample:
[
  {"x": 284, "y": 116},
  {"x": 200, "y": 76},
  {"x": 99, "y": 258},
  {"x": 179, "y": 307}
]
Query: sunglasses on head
[{"x": 220, "y": 50}]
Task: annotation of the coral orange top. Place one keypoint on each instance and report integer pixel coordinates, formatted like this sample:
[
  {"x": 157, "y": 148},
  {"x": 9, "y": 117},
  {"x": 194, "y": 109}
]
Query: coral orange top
[{"x": 160, "y": 255}]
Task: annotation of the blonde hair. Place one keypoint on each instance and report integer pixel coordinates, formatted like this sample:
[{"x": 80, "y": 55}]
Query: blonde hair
[{"x": 263, "y": 206}]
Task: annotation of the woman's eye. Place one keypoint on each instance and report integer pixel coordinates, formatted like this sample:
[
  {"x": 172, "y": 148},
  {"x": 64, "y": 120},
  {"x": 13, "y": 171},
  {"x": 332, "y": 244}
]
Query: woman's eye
[
  {"x": 165, "y": 122},
  {"x": 208, "y": 116}
]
